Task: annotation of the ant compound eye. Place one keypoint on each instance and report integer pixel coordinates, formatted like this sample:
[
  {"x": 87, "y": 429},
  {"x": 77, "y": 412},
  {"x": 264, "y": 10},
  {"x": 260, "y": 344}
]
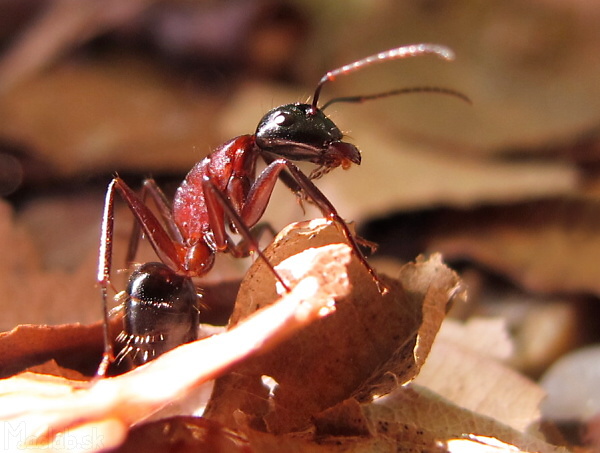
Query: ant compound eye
[{"x": 284, "y": 119}]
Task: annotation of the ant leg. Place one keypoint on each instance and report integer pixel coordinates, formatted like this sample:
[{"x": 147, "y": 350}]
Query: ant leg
[
  {"x": 372, "y": 246},
  {"x": 169, "y": 251},
  {"x": 261, "y": 190},
  {"x": 284, "y": 176},
  {"x": 103, "y": 276},
  {"x": 165, "y": 248},
  {"x": 151, "y": 189},
  {"x": 217, "y": 204},
  {"x": 258, "y": 231}
]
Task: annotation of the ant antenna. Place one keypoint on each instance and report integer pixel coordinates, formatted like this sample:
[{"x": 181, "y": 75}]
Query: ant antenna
[
  {"x": 392, "y": 54},
  {"x": 370, "y": 97}
]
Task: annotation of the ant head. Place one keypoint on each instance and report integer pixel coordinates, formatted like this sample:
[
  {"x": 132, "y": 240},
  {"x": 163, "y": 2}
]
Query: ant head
[{"x": 297, "y": 132}]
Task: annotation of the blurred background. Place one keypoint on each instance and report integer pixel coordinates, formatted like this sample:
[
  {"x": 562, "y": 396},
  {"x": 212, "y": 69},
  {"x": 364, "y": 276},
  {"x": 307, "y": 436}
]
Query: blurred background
[{"x": 506, "y": 188}]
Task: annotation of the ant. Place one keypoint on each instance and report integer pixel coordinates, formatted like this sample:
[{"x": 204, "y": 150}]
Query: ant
[{"x": 224, "y": 191}]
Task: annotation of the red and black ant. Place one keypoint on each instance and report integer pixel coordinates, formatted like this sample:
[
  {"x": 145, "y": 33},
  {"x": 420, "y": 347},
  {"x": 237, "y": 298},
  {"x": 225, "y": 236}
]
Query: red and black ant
[{"x": 223, "y": 191}]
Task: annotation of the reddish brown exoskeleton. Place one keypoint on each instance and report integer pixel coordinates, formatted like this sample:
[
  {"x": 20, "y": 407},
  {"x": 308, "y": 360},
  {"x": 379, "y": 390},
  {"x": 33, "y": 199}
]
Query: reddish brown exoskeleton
[{"x": 224, "y": 192}]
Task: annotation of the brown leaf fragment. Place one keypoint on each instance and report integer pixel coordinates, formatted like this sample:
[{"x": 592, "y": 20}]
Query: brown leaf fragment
[
  {"x": 441, "y": 420},
  {"x": 437, "y": 286},
  {"x": 305, "y": 442},
  {"x": 482, "y": 384},
  {"x": 549, "y": 246},
  {"x": 370, "y": 345},
  {"x": 433, "y": 286},
  {"x": 336, "y": 422},
  {"x": 486, "y": 336},
  {"x": 71, "y": 345},
  {"x": 33, "y": 291},
  {"x": 345, "y": 419},
  {"x": 454, "y": 374},
  {"x": 183, "y": 435},
  {"x": 50, "y": 406},
  {"x": 133, "y": 107},
  {"x": 52, "y": 368},
  {"x": 410, "y": 419}
]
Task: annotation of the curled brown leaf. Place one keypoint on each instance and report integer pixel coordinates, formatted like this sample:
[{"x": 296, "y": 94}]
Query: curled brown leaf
[{"x": 372, "y": 343}]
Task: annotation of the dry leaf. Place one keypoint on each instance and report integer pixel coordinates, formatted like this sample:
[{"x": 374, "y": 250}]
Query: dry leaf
[
  {"x": 32, "y": 293},
  {"x": 372, "y": 344},
  {"x": 478, "y": 382},
  {"x": 410, "y": 419},
  {"x": 183, "y": 435},
  {"x": 461, "y": 396},
  {"x": 547, "y": 246},
  {"x": 72, "y": 345},
  {"x": 486, "y": 336},
  {"x": 137, "y": 114},
  {"x": 443, "y": 421}
]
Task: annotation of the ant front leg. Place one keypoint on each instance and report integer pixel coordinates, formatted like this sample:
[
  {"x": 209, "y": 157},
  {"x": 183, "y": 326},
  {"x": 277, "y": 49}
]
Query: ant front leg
[
  {"x": 290, "y": 174},
  {"x": 166, "y": 249}
]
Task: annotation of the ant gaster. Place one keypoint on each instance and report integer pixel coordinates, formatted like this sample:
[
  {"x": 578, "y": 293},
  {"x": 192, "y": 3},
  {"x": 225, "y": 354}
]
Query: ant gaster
[
  {"x": 160, "y": 313},
  {"x": 224, "y": 190}
]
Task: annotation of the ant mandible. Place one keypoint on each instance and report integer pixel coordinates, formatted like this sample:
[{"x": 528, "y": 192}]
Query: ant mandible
[{"x": 224, "y": 190}]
